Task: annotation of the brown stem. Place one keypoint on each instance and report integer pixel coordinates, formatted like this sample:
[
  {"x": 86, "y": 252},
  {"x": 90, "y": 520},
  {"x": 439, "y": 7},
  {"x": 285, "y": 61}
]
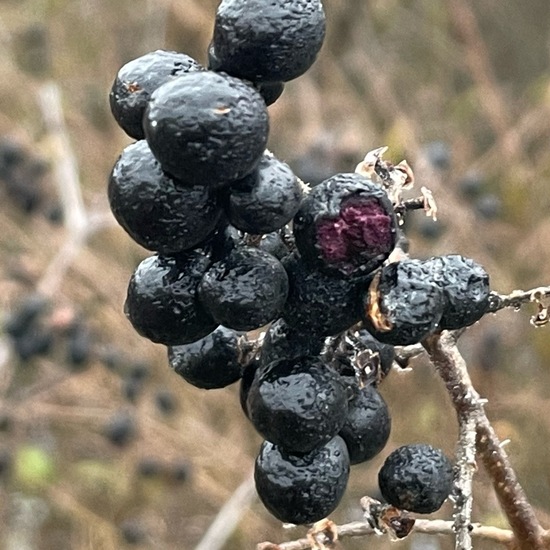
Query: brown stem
[
  {"x": 452, "y": 368},
  {"x": 424, "y": 526}
]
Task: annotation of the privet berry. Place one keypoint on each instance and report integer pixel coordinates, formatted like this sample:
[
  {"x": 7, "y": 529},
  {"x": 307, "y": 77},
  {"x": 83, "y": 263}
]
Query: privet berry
[
  {"x": 211, "y": 362},
  {"x": 265, "y": 200},
  {"x": 138, "y": 79},
  {"x": 159, "y": 212},
  {"x": 268, "y": 41},
  {"x": 346, "y": 224},
  {"x": 245, "y": 290},
  {"x": 403, "y": 304},
  {"x": 207, "y": 128},
  {"x": 465, "y": 286},
  {"x": 302, "y": 488},
  {"x": 298, "y": 404},
  {"x": 418, "y": 478},
  {"x": 368, "y": 425},
  {"x": 162, "y": 302}
]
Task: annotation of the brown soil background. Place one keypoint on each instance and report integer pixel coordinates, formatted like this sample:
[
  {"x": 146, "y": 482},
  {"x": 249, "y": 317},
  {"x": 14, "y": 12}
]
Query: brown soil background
[{"x": 474, "y": 75}]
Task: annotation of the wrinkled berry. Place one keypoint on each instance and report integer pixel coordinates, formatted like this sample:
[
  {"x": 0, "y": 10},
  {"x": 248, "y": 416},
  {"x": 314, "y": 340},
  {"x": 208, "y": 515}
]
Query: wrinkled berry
[
  {"x": 138, "y": 79},
  {"x": 268, "y": 41},
  {"x": 403, "y": 304},
  {"x": 265, "y": 200},
  {"x": 302, "y": 488},
  {"x": 298, "y": 404},
  {"x": 211, "y": 362},
  {"x": 465, "y": 285},
  {"x": 207, "y": 128},
  {"x": 159, "y": 212},
  {"x": 319, "y": 302},
  {"x": 418, "y": 478},
  {"x": 162, "y": 302},
  {"x": 244, "y": 290},
  {"x": 368, "y": 424}
]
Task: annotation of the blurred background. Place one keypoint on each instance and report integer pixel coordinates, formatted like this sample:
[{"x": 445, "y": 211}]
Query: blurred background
[{"x": 101, "y": 445}]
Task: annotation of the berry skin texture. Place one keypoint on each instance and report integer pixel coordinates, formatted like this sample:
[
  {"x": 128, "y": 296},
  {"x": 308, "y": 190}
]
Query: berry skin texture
[
  {"x": 268, "y": 41},
  {"x": 403, "y": 304},
  {"x": 265, "y": 200},
  {"x": 245, "y": 290},
  {"x": 209, "y": 363},
  {"x": 162, "y": 302},
  {"x": 138, "y": 79},
  {"x": 298, "y": 404},
  {"x": 417, "y": 478},
  {"x": 319, "y": 302},
  {"x": 465, "y": 285},
  {"x": 157, "y": 211},
  {"x": 346, "y": 224},
  {"x": 207, "y": 128},
  {"x": 302, "y": 488},
  {"x": 368, "y": 425}
]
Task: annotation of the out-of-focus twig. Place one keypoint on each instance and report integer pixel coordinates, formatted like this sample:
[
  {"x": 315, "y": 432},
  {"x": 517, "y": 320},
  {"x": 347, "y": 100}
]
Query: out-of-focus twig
[{"x": 228, "y": 517}]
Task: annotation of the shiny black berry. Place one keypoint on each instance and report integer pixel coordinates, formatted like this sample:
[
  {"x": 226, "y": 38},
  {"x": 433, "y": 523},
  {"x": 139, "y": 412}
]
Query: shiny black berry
[
  {"x": 418, "y": 478},
  {"x": 465, "y": 285},
  {"x": 207, "y": 128},
  {"x": 298, "y": 404},
  {"x": 274, "y": 244},
  {"x": 265, "y": 200},
  {"x": 211, "y": 362},
  {"x": 159, "y": 212},
  {"x": 162, "y": 302},
  {"x": 346, "y": 224},
  {"x": 302, "y": 488},
  {"x": 138, "y": 79},
  {"x": 403, "y": 304},
  {"x": 268, "y": 41},
  {"x": 368, "y": 425},
  {"x": 245, "y": 290},
  {"x": 318, "y": 301}
]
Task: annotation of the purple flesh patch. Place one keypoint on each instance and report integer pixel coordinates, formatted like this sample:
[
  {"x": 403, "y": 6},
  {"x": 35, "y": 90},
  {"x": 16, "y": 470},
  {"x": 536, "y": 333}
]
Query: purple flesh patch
[{"x": 362, "y": 232}]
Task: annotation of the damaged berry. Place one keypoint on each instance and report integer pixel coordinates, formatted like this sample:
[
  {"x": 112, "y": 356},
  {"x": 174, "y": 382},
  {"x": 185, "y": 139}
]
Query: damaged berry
[
  {"x": 403, "y": 304},
  {"x": 347, "y": 225}
]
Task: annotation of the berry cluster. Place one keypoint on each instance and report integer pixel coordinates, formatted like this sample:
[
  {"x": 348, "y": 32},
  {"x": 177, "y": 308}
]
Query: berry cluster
[{"x": 241, "y": 245}]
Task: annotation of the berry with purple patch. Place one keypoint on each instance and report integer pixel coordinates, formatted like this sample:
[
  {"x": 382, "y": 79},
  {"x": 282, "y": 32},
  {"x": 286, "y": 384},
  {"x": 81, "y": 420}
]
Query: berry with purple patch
[{"x": 346, "y": 225}]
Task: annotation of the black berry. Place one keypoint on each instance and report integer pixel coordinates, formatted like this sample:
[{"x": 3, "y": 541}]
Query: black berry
[
  {"x": 159, "y": 212},
  {"x": 346, "y": 224},
  {"x": 302, "y": 488},
  {"x": 138, "y": 79},
  {"x": 265, "y": 200},
  {"x": 244, "y": 290},
  {"x": 268, "y": 41},
  {"x": 298, "y": 404},
  {"x": 207, "y": 128},
  {"x": 403, "y": 304},
  {"x": 465, "y": 285},
  {"x": 211, "y": 362},
  {"x": 417, "y": 478},
  {"x": 368, "y": 425},
  {"x": 162, "y": 302}
]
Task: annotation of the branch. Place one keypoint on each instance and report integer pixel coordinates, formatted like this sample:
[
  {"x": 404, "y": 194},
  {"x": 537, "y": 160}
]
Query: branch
[
  {"x": 517, "y": 298},
  {"x": 452, "y": 368},
  {"x": 424, "y": 526}
]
